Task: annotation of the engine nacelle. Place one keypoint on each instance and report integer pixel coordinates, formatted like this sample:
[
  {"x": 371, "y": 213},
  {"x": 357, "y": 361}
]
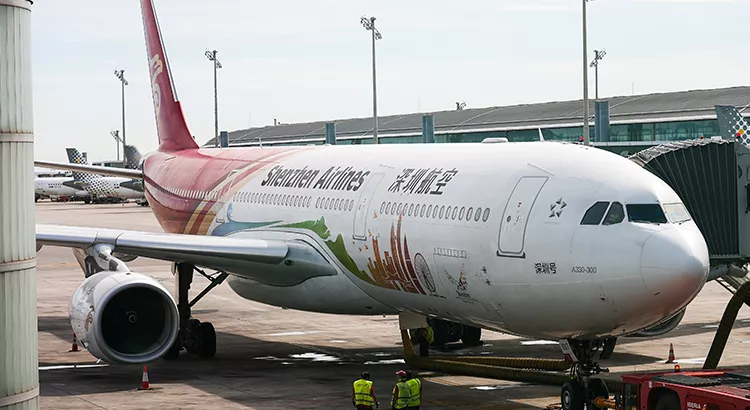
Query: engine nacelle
[
  {"x": 124, "y": 317},
  {"x": 661, "y": 328}
]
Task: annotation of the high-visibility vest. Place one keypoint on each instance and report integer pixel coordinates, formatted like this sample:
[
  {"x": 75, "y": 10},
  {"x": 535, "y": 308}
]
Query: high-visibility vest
[
  {"x": 430, "y": 336},
  {"x": 362, "y": 394},
  {"x": 415, "y": 385},
  {"x": 404, "y": 395}
]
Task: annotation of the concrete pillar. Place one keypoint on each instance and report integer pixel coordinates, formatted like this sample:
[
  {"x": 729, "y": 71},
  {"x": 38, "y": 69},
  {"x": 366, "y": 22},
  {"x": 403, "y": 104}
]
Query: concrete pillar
[
  {"x": 331, "y": 133},
  {"x": 19, "y": 357},
  {"x": 601, "y": 121},
  {"x": 428, "y": 128},
  {"x": 224, "y": 139}
]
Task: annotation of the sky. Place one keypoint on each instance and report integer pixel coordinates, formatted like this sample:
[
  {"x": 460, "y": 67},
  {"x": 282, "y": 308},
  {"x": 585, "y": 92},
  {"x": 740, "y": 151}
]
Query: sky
[{"x": 302, "y": 60}]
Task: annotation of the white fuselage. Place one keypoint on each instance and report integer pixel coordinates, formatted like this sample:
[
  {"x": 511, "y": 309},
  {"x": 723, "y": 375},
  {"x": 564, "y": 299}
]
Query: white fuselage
[
  {"x": 113, "y": 187},
  {"x": 55, "y": 187},
  {"x": 482, "y": 234}
]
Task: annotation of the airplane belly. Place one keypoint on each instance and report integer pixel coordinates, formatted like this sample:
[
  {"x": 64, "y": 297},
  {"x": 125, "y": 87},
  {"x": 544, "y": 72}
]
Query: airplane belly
[{"x": 333, "y": 294}]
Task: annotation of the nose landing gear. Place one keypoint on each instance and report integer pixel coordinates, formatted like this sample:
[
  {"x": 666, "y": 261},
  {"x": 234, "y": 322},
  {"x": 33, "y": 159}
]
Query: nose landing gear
[{"x": 581, "y": 391}]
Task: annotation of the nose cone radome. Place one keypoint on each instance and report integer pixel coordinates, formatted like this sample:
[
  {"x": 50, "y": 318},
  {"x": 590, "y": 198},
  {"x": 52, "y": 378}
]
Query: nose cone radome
[{"x": 674, "y": 265}]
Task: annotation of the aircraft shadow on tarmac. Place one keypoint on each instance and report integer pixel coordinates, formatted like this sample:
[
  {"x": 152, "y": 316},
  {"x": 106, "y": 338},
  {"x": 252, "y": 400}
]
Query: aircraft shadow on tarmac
[{"x": 250, "y": 371}]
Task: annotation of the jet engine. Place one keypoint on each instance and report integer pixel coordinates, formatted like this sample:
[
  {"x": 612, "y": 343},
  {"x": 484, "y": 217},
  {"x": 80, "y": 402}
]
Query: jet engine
[
  {"x": 661, "y": 328},
  {"x": 124, "y": 317}
]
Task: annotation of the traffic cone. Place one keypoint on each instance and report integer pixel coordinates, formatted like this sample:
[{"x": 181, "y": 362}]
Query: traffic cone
[
  {"x": 670, "y": 359},
  {"x": 74, "y": 348},
  {"x": 144, "y": 380}
]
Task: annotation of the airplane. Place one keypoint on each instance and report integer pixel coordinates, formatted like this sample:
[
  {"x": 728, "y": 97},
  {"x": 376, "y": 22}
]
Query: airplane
[
  {"x": 58, "y": 187},
  {"x": 109, "y": 188},
  {"x": 540, "y": 239}
]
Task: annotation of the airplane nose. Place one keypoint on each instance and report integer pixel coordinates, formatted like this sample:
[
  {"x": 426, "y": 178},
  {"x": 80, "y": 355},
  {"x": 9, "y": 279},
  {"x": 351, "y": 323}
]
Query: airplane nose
[{"x": 674, "y": 264}]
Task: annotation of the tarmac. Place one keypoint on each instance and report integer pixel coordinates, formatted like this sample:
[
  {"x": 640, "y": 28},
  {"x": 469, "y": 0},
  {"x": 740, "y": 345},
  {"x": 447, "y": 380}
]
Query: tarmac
[{"x": 273, "y": 358}]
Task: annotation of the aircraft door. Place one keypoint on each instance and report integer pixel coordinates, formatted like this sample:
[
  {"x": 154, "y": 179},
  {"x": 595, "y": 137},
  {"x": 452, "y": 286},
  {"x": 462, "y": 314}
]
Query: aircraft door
[
  {"x": 516, "y": 215},
  {"x": 361, "y": 212}
]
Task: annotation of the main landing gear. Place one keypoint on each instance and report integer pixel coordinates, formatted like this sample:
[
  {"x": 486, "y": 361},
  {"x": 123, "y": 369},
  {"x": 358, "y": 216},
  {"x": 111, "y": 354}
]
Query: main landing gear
[
  {"x": 581, "y": 391},
  {"x": 194, "y": 336}
]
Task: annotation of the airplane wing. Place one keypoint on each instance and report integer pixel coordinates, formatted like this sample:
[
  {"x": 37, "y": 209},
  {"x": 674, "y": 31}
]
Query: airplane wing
[
  {"x": 117, "y": 172},
  {"x": 271, "y": 262}
]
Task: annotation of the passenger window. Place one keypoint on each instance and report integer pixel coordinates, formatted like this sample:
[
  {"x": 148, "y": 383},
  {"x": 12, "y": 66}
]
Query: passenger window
[
  {"x": 448, "y": 212},
  {"x": 434, "y": 212},
  {"x": 442, "y": 211},
  {"x": 594, "y": 214},
  {"x": 648, "y": 213},
  {"x": 615, "y": 215},
  {"x": 382, "y": 207},
  {"x": 455, "y": 211},
  {"x": 411, "y": 209},
  {"x": 478, "y": 214},
  {"x": 461, "y": 213},
  {"x": 486, "y": 215},
  {"x": 388, "y": 208},
  {"x": 421, "y": 210},
  {"x": 398, "y": 210}
]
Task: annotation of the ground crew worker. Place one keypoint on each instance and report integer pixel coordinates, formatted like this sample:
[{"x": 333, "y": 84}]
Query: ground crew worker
[
  {"x": 401, "y": 392},
  {"x": 415, "y": 387},
  {"x": 363, "y": 394},
  {"x": 425, "y": 337}
]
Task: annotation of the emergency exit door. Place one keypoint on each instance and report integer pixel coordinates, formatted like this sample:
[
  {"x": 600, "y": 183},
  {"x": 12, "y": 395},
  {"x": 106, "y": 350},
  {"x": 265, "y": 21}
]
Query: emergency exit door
[
  {"x": 516, "y": 216},
  {"x": 361, "y": 213}
]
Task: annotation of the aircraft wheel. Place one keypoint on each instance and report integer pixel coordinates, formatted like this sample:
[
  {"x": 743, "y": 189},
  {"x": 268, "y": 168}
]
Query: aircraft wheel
[
  {"x": 440, "y": 331},
  {"x": 598, "y": 388},
  {"x": 206, "y": 340},
  {"x": 472, "y": 336},
  {"x": 572, "y": 396}
]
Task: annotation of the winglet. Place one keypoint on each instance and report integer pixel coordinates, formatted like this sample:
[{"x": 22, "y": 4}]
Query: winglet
[{"x": 170, "y": 122}]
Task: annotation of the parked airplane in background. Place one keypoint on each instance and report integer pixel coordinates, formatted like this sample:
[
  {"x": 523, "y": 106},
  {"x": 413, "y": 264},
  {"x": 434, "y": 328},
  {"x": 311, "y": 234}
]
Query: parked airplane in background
[
  {"x": 109, "y": 188},
  {"x": 541, "y": 239},
  {"x": 58, "y": 187}
]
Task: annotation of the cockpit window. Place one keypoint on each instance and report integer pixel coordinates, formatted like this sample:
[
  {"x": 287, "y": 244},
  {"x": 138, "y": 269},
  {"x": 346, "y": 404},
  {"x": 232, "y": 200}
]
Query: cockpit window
[
  {"x": 646, "y": 213},
  {"x": 594, "y": 214},
  {"x": 615, "y": 215},
  {"x": 677, "y": 213}
]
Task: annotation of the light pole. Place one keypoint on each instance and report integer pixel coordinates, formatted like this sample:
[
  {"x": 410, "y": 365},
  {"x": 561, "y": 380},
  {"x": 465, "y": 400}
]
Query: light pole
[
  {"x": 116, "y": 135},
  {"x": 598, "y": 55},
  {"x": 211, "y": 55},
  {"x": 369, "y": 24},
  {"x": 586, "y": 138},
  {"x": 121, "y": 75}
]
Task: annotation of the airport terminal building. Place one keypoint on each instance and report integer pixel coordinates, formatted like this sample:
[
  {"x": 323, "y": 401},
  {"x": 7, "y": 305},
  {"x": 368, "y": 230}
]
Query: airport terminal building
[{"x": 635, "y": 122}]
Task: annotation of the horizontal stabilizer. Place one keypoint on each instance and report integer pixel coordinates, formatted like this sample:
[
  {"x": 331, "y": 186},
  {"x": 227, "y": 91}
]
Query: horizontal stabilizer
[{"x": 116, "y": 172}]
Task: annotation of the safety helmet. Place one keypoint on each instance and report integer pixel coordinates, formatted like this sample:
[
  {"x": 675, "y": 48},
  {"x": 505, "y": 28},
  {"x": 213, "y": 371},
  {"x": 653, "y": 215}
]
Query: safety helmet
[
  {"x": 366, "y": 375},
  {"x": 400, "y": 373}
]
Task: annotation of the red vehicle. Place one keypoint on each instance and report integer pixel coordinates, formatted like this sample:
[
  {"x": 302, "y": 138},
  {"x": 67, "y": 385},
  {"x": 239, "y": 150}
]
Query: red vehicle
[{"x": 689, "y": 390}]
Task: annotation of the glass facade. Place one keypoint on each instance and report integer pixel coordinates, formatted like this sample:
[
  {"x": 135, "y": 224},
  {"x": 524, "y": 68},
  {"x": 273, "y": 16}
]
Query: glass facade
[{"x": 648, "y": 133}]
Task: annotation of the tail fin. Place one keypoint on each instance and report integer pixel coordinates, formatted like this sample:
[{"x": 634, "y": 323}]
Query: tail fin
[
  {"x": 170, "y": 122},
  {"x": 732, "y": 125},
  {"x": 75, "y": 157},
  {"x": 132, "y": 157}
]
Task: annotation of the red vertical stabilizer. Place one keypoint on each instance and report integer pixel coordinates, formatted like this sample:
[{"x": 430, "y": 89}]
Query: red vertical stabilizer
[{"x": 170, "y": 122}]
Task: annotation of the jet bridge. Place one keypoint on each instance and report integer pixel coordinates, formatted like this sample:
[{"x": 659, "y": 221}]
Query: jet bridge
[{"x": 712, "y": 176}]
